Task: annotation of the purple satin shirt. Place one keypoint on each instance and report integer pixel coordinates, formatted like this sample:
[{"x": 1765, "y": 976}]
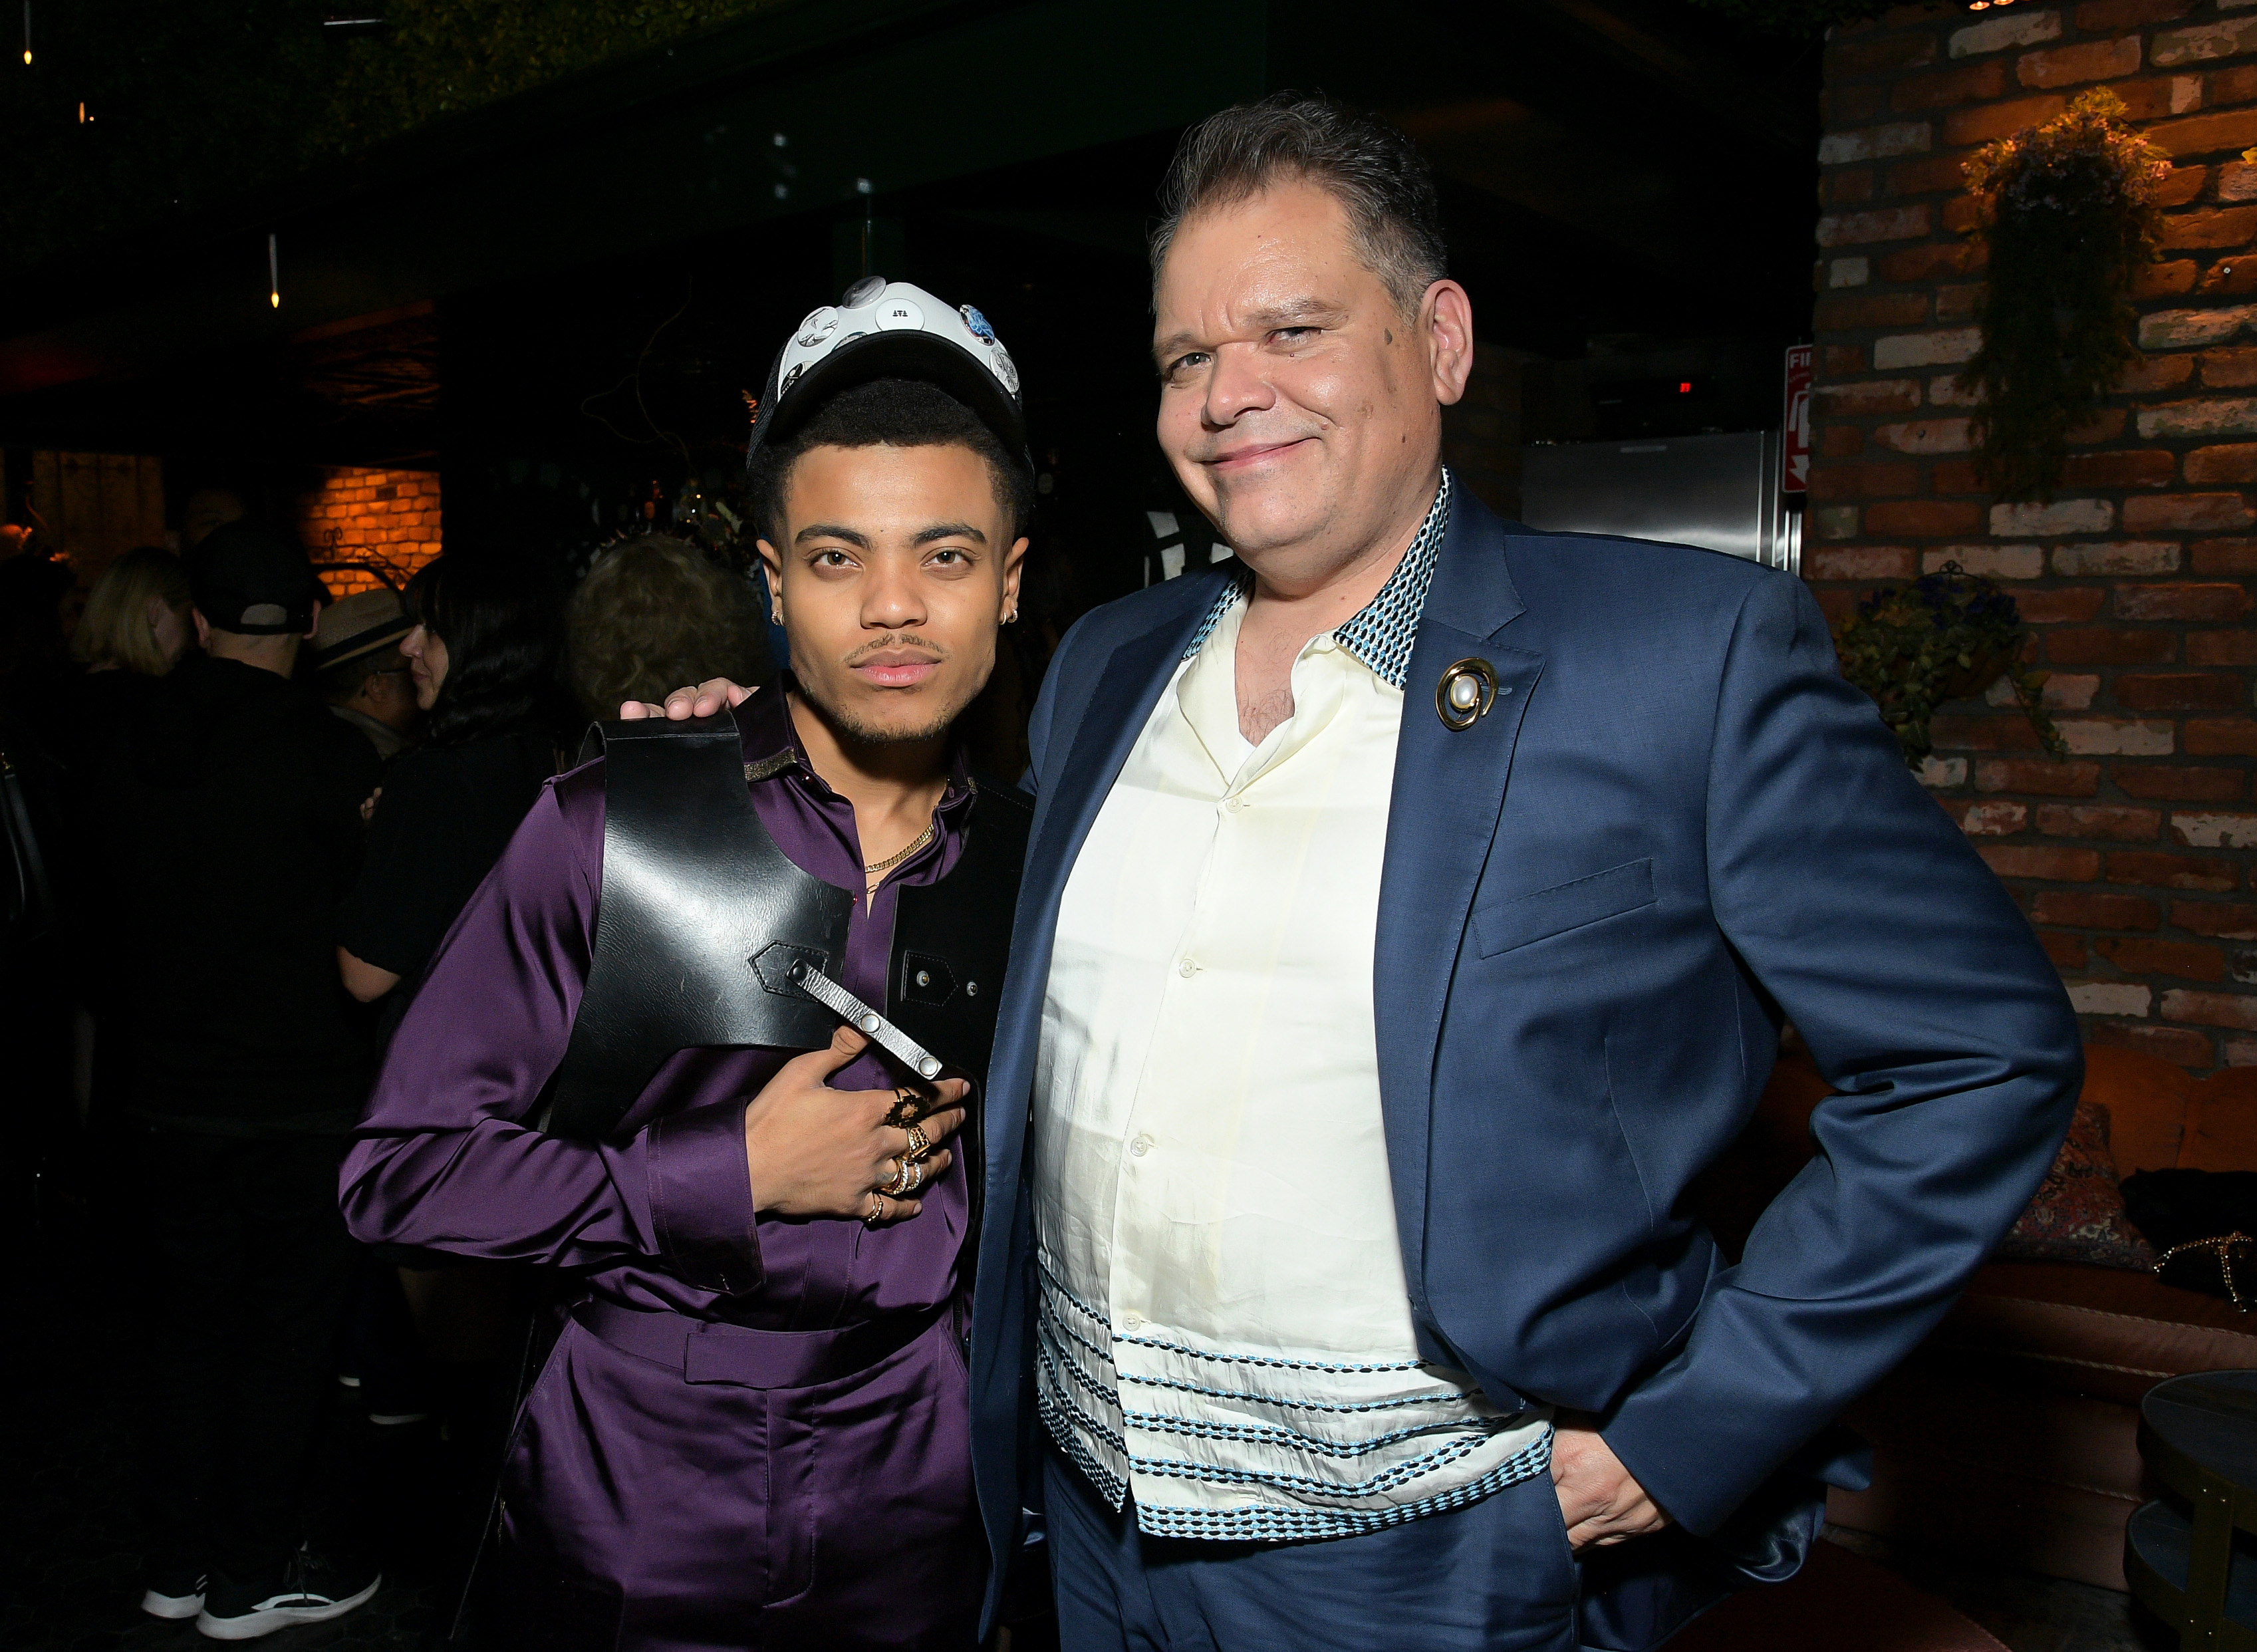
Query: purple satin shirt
[{"x": 649, "y": 1508}]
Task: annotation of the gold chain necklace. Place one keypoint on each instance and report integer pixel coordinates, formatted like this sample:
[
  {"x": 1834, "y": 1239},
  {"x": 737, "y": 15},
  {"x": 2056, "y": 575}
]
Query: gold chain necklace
[{"x": 895, "y": 859}]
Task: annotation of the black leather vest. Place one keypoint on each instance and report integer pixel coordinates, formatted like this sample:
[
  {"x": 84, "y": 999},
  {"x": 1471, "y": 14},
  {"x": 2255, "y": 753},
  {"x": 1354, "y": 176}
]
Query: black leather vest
[{"x": 702, "y": 917}]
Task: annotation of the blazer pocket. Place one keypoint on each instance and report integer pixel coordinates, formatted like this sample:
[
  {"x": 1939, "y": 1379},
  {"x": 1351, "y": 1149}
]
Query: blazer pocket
[{"x": 1564, "y": 906}]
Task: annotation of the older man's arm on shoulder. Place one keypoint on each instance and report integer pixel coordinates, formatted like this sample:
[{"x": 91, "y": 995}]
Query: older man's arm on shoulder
[{"x": 1920, "y": 991}]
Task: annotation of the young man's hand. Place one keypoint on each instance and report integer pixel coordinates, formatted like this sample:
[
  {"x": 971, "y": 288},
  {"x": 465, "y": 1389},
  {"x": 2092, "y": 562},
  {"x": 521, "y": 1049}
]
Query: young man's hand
[
  {"x": 817, "y": 1152},
  {"x": 1599, "y": 1500},
  {"x": 706, "y": 698}
]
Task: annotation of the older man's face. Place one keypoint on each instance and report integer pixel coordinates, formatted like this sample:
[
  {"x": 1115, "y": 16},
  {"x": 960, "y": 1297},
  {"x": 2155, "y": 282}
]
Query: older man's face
[{"x": 1299, "y": 405}]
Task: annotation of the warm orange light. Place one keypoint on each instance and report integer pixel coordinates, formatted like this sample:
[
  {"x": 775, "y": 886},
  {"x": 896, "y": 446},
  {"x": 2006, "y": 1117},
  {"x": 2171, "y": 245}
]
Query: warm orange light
[{"x": 275, "y": 298}]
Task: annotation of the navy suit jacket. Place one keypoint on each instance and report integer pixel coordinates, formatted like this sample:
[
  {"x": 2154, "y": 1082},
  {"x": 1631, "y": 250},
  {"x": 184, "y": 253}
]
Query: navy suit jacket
[{"x": 1677, "y": 825}]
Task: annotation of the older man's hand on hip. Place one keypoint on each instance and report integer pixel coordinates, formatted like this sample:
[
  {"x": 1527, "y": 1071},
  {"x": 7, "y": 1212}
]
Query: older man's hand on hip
[{"x": 1599, "y": 1500}]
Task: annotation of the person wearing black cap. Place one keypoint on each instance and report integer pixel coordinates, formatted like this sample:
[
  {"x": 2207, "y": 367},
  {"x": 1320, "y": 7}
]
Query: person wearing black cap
[
  {"x": 752, "y": 1430},
  {"x": 225, "y": 811}
]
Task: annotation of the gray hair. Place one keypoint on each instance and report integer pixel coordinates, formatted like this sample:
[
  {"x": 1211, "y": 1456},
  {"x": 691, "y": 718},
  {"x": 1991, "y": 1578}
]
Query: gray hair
[{"x": 1370, "y": 166}]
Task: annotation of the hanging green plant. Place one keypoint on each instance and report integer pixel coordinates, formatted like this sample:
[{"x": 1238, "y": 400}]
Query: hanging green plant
[
  {"x": 1944, "y": 636},
  {"x": 2068, "y": 210}
]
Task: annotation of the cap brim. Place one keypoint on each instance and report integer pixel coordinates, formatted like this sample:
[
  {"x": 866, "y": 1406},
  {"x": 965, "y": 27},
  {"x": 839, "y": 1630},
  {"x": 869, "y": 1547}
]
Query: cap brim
[{"x": 897, "y": 355}]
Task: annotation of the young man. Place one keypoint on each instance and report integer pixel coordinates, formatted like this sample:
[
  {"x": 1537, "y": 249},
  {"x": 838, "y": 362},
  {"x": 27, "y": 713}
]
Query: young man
[{"x": 754, "y": 1428}]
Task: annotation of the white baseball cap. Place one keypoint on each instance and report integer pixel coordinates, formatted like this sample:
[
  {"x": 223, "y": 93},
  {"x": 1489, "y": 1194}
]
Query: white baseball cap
[{"x": 891, "y": 329}]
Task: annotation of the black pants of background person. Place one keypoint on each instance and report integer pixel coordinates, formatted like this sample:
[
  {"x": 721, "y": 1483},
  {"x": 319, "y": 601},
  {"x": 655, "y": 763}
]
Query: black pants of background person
[{"x": 253, "y": 1265}]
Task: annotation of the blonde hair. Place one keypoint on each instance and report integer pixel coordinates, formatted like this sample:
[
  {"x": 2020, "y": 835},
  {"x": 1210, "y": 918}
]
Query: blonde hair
[
  {"x": 656, "y": 613},
  {"x": 115, "y": 629}
]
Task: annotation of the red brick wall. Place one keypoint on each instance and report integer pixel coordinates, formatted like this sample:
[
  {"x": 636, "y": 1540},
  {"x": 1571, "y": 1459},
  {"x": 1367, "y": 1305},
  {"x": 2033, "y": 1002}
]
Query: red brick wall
[
  {"x": 390, "y": 518},
  {"x": 2134, "y": 859}
]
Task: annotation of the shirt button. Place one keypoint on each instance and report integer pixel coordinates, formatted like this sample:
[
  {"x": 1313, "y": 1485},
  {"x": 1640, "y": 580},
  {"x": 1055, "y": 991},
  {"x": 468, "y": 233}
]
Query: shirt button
[
  {"x": 1141, "y": 1145},
  {"x": 1234, "y": 804},
  {"x": 1187, "y": 968},
  {"x": 1132, "y": 1322}
]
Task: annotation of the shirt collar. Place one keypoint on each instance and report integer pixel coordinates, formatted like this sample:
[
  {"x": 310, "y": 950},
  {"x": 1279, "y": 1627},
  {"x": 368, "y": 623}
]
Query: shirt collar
[
  {"x": 771, "y": 748},
  {"x": 1381, "y": 632}
]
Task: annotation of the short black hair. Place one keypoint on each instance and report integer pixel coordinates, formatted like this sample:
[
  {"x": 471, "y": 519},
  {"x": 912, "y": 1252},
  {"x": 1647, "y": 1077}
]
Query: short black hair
[
  {"x": 1370, "y": 166},
  {"x": 898, "y": 413}
]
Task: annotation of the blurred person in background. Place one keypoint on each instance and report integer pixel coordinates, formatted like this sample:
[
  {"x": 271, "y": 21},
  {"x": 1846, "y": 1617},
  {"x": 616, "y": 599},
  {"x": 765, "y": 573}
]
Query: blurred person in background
[
  {"x": 138, "y": 616},
  {"x": 207, "y": 509},
  {"x": 224, "y": 814},
  {"x": 482, "y": 656},
  {"x": 653, "y": 611},
  {"x": 364, "y": 676}
]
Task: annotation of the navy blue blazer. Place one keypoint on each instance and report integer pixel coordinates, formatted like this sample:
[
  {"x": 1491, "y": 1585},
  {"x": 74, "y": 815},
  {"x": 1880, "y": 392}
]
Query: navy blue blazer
[{"x": 1677, "y": 825}]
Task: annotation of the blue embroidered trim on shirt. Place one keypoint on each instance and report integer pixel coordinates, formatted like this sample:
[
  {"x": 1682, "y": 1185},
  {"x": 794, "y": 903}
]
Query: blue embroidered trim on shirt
[
  {"x": 1274, "y": 1362},
  {"x": 1384, "y": 631},
  {"x": 1240, "y": 1396},
  {"x": 1279, "y": 1525}
]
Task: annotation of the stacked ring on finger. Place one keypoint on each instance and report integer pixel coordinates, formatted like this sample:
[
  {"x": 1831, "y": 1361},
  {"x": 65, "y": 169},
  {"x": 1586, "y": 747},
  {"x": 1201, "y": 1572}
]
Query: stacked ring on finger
[
  {"x": 878, "y": 1209},
  {"x": 908, "y": 1176},
  {"x": 920, "y": 1144}
]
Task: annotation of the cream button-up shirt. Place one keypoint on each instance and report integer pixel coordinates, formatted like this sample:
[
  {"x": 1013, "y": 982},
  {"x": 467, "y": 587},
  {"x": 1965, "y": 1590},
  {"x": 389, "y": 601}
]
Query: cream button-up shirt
[{"x": 1223, "y": 1327}]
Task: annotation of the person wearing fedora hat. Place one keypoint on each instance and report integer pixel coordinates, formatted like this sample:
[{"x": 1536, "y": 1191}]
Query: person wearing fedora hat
[
  {"x": 753, "y": 1428},
  {"x": 363, "y": 674}
]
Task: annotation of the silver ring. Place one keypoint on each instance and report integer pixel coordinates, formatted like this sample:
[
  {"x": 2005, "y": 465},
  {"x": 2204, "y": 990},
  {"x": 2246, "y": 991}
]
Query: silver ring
[{"x": 898, "y": 1183}]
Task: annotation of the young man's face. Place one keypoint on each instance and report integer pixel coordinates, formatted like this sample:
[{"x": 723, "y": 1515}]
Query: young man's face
[{"x": 896, "y": 567}]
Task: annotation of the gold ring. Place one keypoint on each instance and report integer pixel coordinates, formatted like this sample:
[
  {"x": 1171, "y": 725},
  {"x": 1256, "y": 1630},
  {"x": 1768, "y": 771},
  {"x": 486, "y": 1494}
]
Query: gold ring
[
  {"x": 877, "y": 1209},
  {"x": 915, "y": 1171},
  {"x": 920, "y": 1144},
  {"x": 909, "y": 1106},
  {"x": 899, "y": 1182}
]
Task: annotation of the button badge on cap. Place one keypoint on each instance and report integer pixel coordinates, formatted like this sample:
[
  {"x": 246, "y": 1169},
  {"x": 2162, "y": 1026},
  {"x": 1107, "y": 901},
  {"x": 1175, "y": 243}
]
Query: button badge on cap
[{"x": 1465, "y": 694}]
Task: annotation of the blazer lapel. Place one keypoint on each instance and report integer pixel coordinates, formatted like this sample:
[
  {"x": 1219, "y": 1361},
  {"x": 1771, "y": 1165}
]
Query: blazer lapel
[{"x": 1448, "y": 793}]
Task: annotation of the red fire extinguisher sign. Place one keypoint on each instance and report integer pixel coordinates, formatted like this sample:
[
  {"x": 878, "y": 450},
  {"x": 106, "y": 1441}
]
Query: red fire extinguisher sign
[{"x": 1796, "y": 469}]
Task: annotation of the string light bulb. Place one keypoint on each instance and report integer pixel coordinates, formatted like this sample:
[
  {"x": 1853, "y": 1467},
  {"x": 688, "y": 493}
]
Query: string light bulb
[{"x": 274, "y": 274}]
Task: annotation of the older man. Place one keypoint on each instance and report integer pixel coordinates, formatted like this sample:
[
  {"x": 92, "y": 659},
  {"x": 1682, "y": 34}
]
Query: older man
[{"x": 1411, "y": 911}]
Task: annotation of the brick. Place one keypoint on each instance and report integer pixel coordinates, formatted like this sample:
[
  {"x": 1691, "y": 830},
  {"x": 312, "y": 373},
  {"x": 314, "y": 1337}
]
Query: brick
[
  {"x": 1924, "y": 349},
  {"x": 1958, "y": 303},
  {"x": 1939, "y": 773},
  {"x": 2206, "y": 134},
  {"x": 2242, "y": 1052},
  {"x": 1875, "y": 143},
  {"x": 1840, "y": 361},
  {"x": 2220, "y": 226},
  {"x": 2229, "y": 369},
  {"x": 1954, "y": 476},
  {"x": 1995, "y": 561},
  {"x": 1925, "y": 518},
  {"x": 2221, "y": 737},
  {"x": 2104, "y": 426},
  {"x": 2182, "y": 602},
  {"x": 2079, "y": 909},
  {"x": 2111, "y": 647},
  {"x": 1855, "y": 312},
  {"x": 2132, "y": 557},
  {"x": 1833, "y": 521},
  {"x": 1874, "y": 396},
  {"x": 1852, "y": 271},
  {"x": 1829, "y": 481},
  {"x": 2215, "y": 829},
  {"x": 1983, "y": 121},
  {"x": 2180, "y": 692},
  {"x": 2236, "y": 647},
  {"x": 2053, "y": 862},
  {"x": 2234, "y": 1009},
  {"x": 1853, "y": 56},
  {"x": 2224, "y": 556},
  {"x": 2064, "y": 604},
  {"x": 2205, "y": 43},
  {"x": 1840, "y": 442},
  {"x": 2012, "y": 29},
  {"x": 1886, "y": 223},
  {"x": 2184, "y": 184},
  {"x": 2182, "y": 328},
  {"x": 1944, "y": 390},
  {"x": 2219, "y": 919},
  {"x": 2042, "y": 775},
  {"x": 2110, "y": 997},
  {"x": 1929, "y": 174},
  {"x": 2237, "y": 181},
  {"x": 2237, "y": 85},
  {"x": 2173, "y": 871},
  {"x": 1925, "y": 435},
  {"x": 2063, "y": 692},
  {"x": 2165, "y": 280},
  {"x": 2229, "y": 278},
  {"x": 2062, "y": 516},
  {"x": 2194, "y": 512},
  {"x": 2232, "y": 462},
  {"x": 2099, "y": 17},
  {"x": 1993, "y": 820},
  {"x": 2073, "y": 65},
  {"x": 2152, "y": 375},
  {"x": 1853, "y": 106},
  {"x": 2189, "y": 960},
  {"x": 2112, "y": 821},
  {"x": 1859, "y": 562},
  {"x": 2065, "y": 950},
  {"x": 2180, "y": 783},
  {"x": 1937, "y": 258},
  {"x": 2180, "y": 1044},
  {"x": 2116, "y": 737},
  {"x": 1983, "y": 733},
  {"x": 2136, "y": 467},
  {"x": 1941, "y": 89}
]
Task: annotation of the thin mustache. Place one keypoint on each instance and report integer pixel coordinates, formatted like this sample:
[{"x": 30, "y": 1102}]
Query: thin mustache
[{"x": 863, "y": 653}]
